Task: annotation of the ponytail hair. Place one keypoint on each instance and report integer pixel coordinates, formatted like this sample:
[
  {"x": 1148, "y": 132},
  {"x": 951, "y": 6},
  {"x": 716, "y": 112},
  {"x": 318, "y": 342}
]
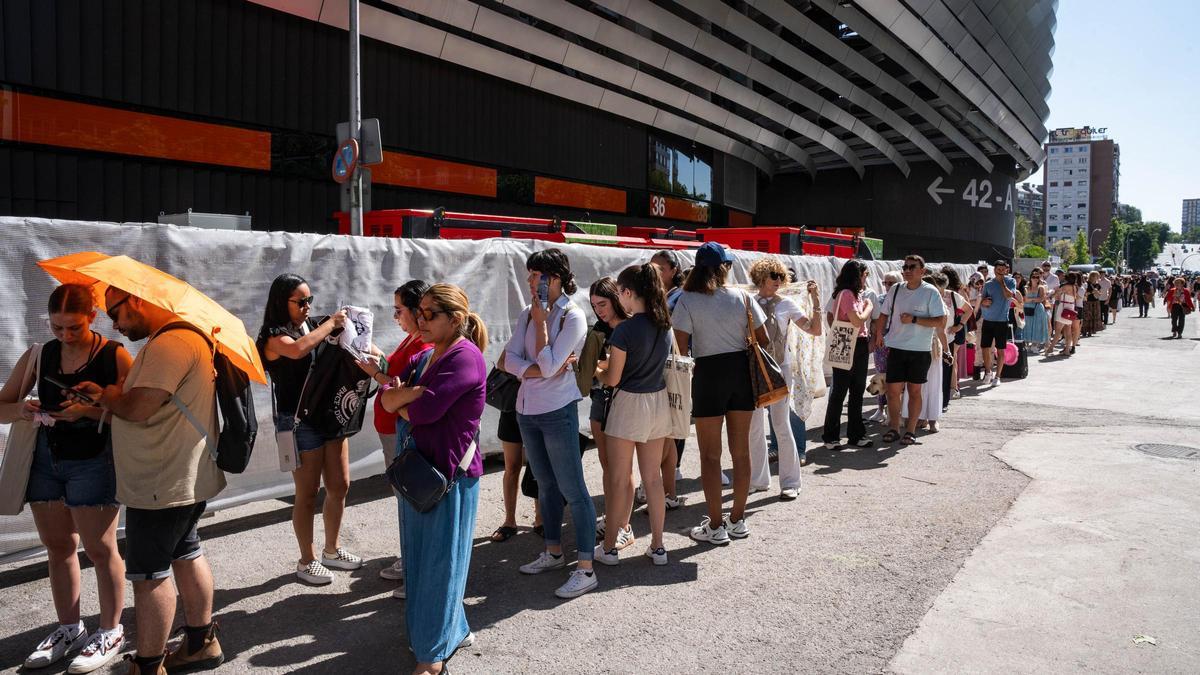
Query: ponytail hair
[
  {"x": 644, "y": 281},
  {"x": 72, "y": 299},
  {"x": 452, "y": 300}
]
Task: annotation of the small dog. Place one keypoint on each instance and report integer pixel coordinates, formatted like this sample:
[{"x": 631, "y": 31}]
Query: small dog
[{"x": 876, "y": 386}]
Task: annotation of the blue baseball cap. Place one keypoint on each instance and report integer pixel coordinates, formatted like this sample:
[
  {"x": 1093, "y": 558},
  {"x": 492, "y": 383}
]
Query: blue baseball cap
[{"x": 712, "y": 254}]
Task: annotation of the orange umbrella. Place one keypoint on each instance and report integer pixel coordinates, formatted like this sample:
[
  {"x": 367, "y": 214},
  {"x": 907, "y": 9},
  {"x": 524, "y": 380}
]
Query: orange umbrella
[{"x": 100, "y": 271}]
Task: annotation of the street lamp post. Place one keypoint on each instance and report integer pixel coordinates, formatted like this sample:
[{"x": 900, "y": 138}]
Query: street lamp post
[
  {"x": 1090, "y": 248},
  {"x": 356, "y": 195}
]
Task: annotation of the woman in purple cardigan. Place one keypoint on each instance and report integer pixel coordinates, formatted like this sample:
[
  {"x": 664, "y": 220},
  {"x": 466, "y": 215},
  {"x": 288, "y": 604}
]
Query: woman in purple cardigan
[{"x": 439, "y": 410}]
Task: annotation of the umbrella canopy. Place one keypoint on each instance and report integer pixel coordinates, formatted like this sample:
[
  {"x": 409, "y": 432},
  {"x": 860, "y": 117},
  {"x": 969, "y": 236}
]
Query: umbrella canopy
[{"x": 100, "y": 271}]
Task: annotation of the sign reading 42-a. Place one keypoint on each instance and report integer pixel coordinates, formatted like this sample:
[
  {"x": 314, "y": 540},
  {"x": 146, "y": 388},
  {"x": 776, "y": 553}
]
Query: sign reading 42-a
[{"x": 979, "y": 192}]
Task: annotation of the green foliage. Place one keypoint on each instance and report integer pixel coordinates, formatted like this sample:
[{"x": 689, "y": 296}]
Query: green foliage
[
  {"x": 1113, "y": 247},
  {"x": 1032, "y": 251},
  {"x": 1143, "y": 247},
  {"x": 1080, "y": 253},
  {"x": 1063, "y": 249},
  {"x": 1022, "y": 233},
  {"x": 1129, "y": 214},
  {"x": 1160, "y": 230},
  {"x": 1108, "y": 262}
]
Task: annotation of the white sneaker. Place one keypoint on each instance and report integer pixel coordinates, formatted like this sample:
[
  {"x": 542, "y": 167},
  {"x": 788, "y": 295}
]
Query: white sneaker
[
  {"x": 716, "y": 536},
  {"x": 757, "y": 489},
  {"x": 400, "y": 593},
  {"x": 956, "y": 394},
  {"x": 987, "y": 378},
  {"x": 543, "y": 563},
  {"x": 639, "y": 495},
  {"x": 610, "y": 557},
  {"x": 788, "y": 494},
  {"x": 102, "y": 647},
  {"x": 601, "y": 527},
  {"x": 675, "y": 502},
  {"x": 393, "y": 572},
  {"x": 341, "y": 560},
  {"x": 725, "y": 479},
  {"x": 996, "y": 382},
  {"x": 625, "y": 538},
  {"x": 63, "y": 640},
  {"x": 314, "y": 573},
  {"x": 580, "y": 582},
  {"x": 657, "y": 555},
  {"x": 467, "y": 641},
  {"x": 737, "y": 530}
]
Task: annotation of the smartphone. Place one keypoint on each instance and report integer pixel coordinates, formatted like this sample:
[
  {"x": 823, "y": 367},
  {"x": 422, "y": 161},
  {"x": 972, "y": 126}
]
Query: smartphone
[
  {"x": 543, "y": 290},
  {"x": 62, "y": 385}
]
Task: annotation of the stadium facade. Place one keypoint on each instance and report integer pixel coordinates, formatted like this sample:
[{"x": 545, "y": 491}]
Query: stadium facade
[{"x": 910, "y": 119}]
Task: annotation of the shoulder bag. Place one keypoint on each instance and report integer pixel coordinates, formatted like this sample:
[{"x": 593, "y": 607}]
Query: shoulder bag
[
  {"x": 766, "y": 379},
  {"x": 416, "y": 478},
  {"x": 842, "y": 341},
  {"x": 21, "y": 445}
]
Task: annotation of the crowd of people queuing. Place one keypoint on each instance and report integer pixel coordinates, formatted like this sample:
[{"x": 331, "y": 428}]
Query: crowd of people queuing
[{"x": 108, "y": 437}]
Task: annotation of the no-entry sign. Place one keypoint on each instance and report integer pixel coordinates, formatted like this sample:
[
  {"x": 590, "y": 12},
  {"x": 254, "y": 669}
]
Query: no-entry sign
[{"x": 345, "y": 160}]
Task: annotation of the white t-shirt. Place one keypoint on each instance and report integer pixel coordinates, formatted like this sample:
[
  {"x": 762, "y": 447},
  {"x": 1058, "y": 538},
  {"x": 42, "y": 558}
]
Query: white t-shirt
[
  {"x": 1105, "y": 288},
  {"x": 1052, "y": 282},
  {"x": 786, "y": 312}
]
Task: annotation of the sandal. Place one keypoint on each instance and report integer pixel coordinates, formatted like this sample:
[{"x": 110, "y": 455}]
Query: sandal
[
  {"x": 909, "y": 438},
  {"x": 891, "y": 436},
  {"x": 503, "y": 533}
]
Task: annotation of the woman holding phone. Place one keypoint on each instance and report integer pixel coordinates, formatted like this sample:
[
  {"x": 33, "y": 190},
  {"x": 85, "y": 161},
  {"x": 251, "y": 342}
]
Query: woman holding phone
[{"x": 72, "y": 486}]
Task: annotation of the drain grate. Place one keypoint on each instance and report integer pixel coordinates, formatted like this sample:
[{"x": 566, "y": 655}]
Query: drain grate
[{"x": 1169, "y": 451}]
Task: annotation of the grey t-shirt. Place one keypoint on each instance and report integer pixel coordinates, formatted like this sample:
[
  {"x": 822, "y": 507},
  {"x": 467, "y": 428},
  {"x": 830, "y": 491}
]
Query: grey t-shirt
[
  {"x": 645, "y": 346},
  {"x": 717, "y": 322},
  {"x": 924, "y": 301}
]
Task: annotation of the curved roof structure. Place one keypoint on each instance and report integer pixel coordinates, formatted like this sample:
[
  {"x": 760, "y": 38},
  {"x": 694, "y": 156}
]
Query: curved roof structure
[{"x": 788, "y": 85}]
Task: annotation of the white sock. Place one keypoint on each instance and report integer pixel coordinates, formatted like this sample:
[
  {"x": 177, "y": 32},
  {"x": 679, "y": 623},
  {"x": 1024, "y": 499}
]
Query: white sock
[
  {"x": 113, "y": 632},
  {"x": 74, "y": 629}
]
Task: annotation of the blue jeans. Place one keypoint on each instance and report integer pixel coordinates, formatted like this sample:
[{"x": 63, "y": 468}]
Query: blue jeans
[
  {"x": 798, "y": 432},
  {"x": 552, "y": 448}
]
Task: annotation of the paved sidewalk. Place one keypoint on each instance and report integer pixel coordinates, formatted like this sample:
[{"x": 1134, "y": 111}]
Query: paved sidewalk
[{"x": 1104, "y": 544}]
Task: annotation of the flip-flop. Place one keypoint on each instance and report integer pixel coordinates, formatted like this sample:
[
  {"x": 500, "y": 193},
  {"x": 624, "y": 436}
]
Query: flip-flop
[
  {"x": 909, "y": 438},
  {"x": 891, "y": 436},
  {"x": 503, "y": 533}
]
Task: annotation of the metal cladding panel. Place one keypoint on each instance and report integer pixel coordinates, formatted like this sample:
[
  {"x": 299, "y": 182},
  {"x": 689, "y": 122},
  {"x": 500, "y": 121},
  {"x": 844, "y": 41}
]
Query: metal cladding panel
[{"x": 964, "y": 223}]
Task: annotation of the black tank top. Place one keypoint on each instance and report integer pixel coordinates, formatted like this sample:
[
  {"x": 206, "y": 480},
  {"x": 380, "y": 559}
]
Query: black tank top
[
  {"x": 81, "y": 439},
  {"x": 287, "y": 375}
]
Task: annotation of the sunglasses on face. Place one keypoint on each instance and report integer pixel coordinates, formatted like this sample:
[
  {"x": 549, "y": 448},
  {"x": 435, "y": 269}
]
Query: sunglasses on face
[
  {"x": 428, "y": 314},
  {"x": 776, "y": 276},
  {"x": 112, "y": 310},
  {"x": 910, "y": 267},
  {"x": 303, "y": 302}
]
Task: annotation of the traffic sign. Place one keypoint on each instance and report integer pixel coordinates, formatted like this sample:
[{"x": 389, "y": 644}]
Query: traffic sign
[{"x": 345, "y": 160}]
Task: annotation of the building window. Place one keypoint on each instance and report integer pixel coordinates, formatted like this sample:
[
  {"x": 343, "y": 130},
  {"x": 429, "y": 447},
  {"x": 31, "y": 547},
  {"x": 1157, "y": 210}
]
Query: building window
[
  {"x": 1066, "y": 183},
  {"x": 1082, "y": 205},
  {"x": 1083, "y": 149},
  {"x": 1066, "y": 216},
  {"x": 1053, "y": 216},
  {"x": 678, "y": 169},
  {"x": 1053, "y": 228},
  {"x": 1053, "y": 183},
  {"x": 1054, "y": 151}
]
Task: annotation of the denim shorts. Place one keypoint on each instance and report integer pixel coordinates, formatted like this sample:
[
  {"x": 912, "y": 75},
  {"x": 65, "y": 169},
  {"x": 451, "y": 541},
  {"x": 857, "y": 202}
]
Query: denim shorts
[
  {"x": 307, "y": 438},
  {"x": 76, "y": 482},
  {"x": 155, "y": 538}
]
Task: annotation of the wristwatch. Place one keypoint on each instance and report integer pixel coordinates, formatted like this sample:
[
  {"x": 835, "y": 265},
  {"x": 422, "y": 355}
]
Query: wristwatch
[{"x": 914, "y": 318}]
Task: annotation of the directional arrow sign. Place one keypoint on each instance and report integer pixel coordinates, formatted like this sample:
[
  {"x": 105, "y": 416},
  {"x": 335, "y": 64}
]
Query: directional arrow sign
[{"x": 933, "y": 190}]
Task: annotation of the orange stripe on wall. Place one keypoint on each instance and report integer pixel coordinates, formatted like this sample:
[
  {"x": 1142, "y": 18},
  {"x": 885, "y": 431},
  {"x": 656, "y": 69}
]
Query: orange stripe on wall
[
  {"x": 578, "y": 195},
  {"x": 434, "y": 174},
  {"x": 25, "y": 118}
]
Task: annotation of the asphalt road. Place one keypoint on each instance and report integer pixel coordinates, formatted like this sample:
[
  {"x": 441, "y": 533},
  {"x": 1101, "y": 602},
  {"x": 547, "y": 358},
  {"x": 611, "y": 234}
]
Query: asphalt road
[{"x": 833, "y": 582}]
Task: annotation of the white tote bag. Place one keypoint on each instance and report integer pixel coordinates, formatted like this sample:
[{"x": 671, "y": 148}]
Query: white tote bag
[
  {"x": 841, "y": 341},
  {"x": 678, "y": 371},
  {"x": 20, "y": 446}
]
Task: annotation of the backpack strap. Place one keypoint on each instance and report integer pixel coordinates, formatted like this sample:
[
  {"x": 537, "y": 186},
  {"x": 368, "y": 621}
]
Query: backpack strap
[{"x": 187, "y": 413}]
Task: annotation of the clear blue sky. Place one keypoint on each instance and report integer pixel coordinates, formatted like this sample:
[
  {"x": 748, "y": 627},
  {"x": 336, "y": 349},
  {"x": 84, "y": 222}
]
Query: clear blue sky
[{"x": 1134, "y": 67}]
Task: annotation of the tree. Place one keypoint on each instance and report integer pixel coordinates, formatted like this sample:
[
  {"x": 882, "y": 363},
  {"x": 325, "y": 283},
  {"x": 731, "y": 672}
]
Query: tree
[
  {"x": 1080, "y": 252},
  {"x": 1022, "y": 233},
  {"x": 1114, "y": 244},
  {"x": 1143, "y": 248},
  {"x": 1062, "y": 248},
  {"x": 1129, "y": 213},
  {"x": 1160, "y": 230},
  {"x": 1032, "y": 251}
]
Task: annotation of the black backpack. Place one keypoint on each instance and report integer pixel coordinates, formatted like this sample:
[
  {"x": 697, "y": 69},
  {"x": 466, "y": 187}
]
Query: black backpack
[{"x": 235, "y": 401}]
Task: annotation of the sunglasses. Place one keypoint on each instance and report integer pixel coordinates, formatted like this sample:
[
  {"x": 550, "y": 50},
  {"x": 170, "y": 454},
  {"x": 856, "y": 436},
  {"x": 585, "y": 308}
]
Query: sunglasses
[
  {"x": 112, "y": 310},
  {"x": 776, "y": 276},
  {"x": 910, "y": 267},
  {"x": 428, "y": 314},
  {"x": 303, "y": 302}
]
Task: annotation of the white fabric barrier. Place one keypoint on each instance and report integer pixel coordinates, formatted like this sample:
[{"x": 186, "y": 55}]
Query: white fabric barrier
[{"x": 236, "y": 269}]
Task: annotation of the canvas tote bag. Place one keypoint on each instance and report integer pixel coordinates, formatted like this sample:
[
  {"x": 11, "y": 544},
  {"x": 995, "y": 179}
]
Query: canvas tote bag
[
  {"x": 678, "y": 371},
  {"x": 21, "y": 444},
  {"x": 841, "y": 342}
]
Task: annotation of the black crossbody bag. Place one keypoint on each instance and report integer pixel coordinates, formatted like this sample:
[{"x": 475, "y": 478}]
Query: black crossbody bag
[{"x": 416, "y": 478}]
